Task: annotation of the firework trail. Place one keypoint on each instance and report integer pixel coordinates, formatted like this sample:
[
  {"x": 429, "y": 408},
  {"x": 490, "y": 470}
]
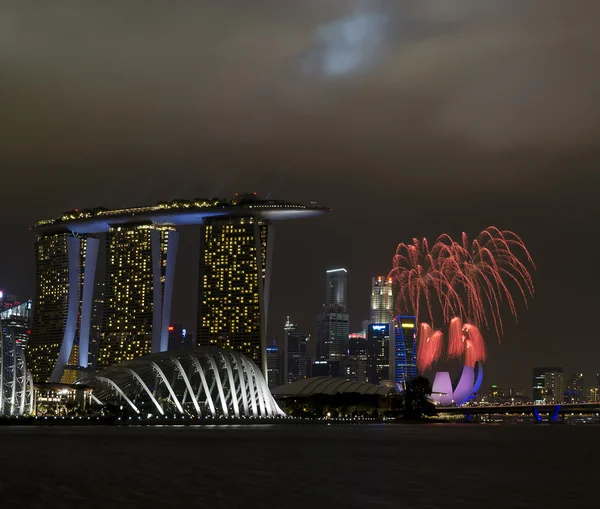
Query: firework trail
[
  {"x": 455, "y": 338},
  {"x": 465, "y": 341},
  {"x": 465, "y": 283},
  {"x": 474, "y": 345},
  {"x": 462, "y": 279},
  {"x": 430, "y": 344}
]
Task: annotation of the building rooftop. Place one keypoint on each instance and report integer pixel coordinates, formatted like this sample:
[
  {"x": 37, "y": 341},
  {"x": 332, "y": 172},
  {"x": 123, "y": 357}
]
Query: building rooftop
[
  {"x": 328, "y": 385},
  {"x": 176, "y": 212}
]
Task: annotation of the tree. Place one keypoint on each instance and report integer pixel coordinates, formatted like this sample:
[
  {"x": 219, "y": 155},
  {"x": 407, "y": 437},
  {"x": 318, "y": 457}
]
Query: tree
[{"x": 417, "y": 399}]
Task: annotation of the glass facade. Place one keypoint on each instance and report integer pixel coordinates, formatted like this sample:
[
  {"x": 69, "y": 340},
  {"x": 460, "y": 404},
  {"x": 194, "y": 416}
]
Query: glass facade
[
  {"x": 274, "y": 364},
  {"x": 381, "y": 300},
  {"x": 297, "y": 362},
  {"x": 235, "y": 273},
  {"x": 337, "y": 282},
  {"x": 378, "y": 353},
  {"x": 404, "y": 351}
]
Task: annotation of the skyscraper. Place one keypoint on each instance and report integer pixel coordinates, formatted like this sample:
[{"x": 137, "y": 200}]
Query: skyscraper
[
  {"x": 554, "y": 387},
  {"x": 235, "y": 268},
  {"x": 574, "y": 392},
  {"x": 381, "y": 300},
  {"x": 355, "y": 367},
  {"x": 332, "y": 336},
  {"x": 274, "y": 366},
  {"x": 548, "y": 385},
  {"x": 140, "y": 265},
  {"x": 65, "y": 266},
  {"x": 403, "y": 350},
  {"x": 378, "y": 353},
  {"x": 180, "y": 338},
  {"x": 141, "y": 246},
  {"x": 333, "y": 323},
  {"x": 357, "y": 346},
  {"x": 296, "y": 358},
  {"x": 336, "y": 289}
]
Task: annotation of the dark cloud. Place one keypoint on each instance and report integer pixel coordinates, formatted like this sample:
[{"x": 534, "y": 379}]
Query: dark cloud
[
  {"x": 133, "y": 78},
  {"x": 409, "y": 117}
]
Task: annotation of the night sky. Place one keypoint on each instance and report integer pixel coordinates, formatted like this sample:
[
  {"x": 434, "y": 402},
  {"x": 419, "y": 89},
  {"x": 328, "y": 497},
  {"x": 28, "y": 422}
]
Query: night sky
[{"x": 408, "y": 118}]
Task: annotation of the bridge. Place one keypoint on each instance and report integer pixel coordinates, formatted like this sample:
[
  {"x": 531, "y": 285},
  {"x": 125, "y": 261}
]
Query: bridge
[{"x": 553, "y": 411}]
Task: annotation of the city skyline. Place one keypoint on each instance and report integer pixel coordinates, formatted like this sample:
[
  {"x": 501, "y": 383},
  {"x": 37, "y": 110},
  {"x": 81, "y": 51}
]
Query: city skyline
[
  {"x": 443, "y": 158},
  {"x": 447, "y": 132},
  {"x": 520, "y": 379}
]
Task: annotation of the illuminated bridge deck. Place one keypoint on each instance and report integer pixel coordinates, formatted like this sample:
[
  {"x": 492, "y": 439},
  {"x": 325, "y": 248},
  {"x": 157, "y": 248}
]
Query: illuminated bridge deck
[
  {"x": 176, "y": 213},
  {"x": 583, "y": 408}
]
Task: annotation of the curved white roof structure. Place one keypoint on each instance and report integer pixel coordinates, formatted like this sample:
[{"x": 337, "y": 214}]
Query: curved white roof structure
[
  {"x": 202, "y": 382},
  {"x": 16, "y": 384},
  {"x": 328, "y": 385}
]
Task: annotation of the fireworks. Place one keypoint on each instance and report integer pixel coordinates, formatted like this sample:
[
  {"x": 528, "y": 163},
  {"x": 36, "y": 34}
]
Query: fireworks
[
  {"x": 464, "y": 283},
  {"x": 463, "y": 279},
  {"x": 429, "y": 346},
  {"x": 465, "y": 340}
]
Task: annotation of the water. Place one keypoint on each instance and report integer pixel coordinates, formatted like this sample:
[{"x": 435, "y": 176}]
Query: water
[{"x": 313, "y": 466}]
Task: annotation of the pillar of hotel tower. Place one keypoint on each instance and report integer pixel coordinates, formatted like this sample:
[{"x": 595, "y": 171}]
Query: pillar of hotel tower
[
  {"x": 235, "y": 272},
  {"x": 140, "y": 268},
  {"x": 65, "y": 268}
]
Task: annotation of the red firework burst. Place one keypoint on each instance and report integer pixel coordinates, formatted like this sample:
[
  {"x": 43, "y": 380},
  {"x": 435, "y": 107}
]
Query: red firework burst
[
  {"x": 462, "y": 279},
  {"x": 429, "y": 349},
  {"x": 465, "y": 341}
]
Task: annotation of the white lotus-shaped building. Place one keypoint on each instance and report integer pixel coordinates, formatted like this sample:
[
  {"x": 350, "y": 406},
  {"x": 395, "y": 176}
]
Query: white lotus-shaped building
[
  {"x": 201, "y": 382},
  {"x": 444, "y": 393}
]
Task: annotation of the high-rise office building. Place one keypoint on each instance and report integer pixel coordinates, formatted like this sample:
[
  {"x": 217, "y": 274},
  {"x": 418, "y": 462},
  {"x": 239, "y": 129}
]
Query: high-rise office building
[
  {"x": 140, "y": 265},
  {"x": 357, "y": 345},
  {"x": 326, "y": 368},
  {"x": 64, "y": 265},
  {"x": 274, "y": 365},
  {"x": 548, "y": 385},
  {"x": 574, "y": 392},
  {"x": 337, "y": 291},
  {"x": 180, "y": 338},
  {"x": 554, "y": 387},
  {"x": 355, "y": 367},
  {"x": 296, "y": 358},
  {"x": 378, "y": 353},
  {"x": 353, "y": 370},
  {"x": 403, "y": 350},
  {"x": 382, "y": 300},
  {"x": 234, "y": 296},
  {"x": 333, "y": 323},
  {"x": 332, "y": 336}
]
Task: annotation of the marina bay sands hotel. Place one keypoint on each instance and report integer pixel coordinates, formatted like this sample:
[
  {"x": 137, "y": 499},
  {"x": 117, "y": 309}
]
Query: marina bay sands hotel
[{"x": 141, "y": 251}]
